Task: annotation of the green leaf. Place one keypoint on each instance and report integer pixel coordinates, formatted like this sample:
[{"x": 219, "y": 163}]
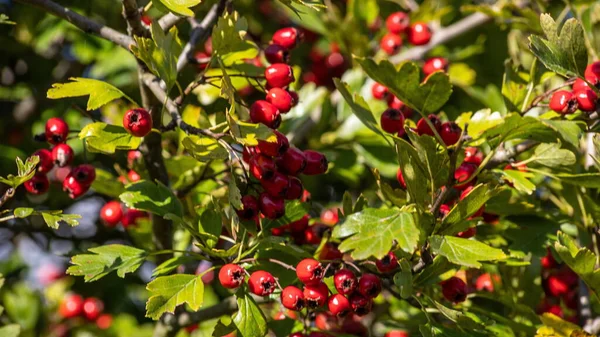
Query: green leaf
[
  {"x": 204, "y": 149},
  {"x": 520, "y": 180},
  {"x": 23, "y": 212},
  {"x": 518, "y": 127},
  {"x": 570, "y": 131},
  {"x": 249, "y": 319},
  {"x": 229, "y": 39},
  {"x": 551, "y": 155},
  {"x": 431, "y": 273},
  {"x": 404, "y": 279},
  {"x": 171, "y": 264},
  {"x": 359, "y": 107},
  {"x": 294, "y": 211},
  {"x": 466, "y": 207},
  {"x": 514, "y": 87},
  {"x": 211, "y": 223},
  {"x": 581, "y": 260},
  {"x": 4, "y": 20},
  {"x": 107, "y": 184},
  {"x": 415, "y": 175},
  {"x": 160, "y": 53},
  {"x": 590, "y": 180},
  {"x": 106, "y": 259},
  {"x": 405, "y": 83},
  {"x": 480, "y": 121},
  {"x": 100, "y": 92},
  {"x": 531, "y": 234},
  {"x": 152, "y": 197},
  {"x": 22, "y": 305},
  {"x": 434, "y": 163},
  {"x": 372, "y": 232},
  {"x": 25, "y": 171},
  {"x": 167, "y": 292},
  {"x": 10, "y": 330},
  {"x": 235, "y": 195},
  {"x": 104, "y": 138},
  {"x": 181, "y": 7},
  {"x": 249, "y": 134},
  {"x": 464, "y": 252},
  {"x": 563, "y": 52},
  {"x": 52, "y": 218}
]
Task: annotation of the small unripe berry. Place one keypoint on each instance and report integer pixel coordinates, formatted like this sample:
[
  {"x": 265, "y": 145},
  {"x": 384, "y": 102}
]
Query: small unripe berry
[
  {"x": 424, "y": 129},
  {"x": 92, "y": 308},
  {"x": 379, "y": 91},
  {"x": 71, "y": 306},
  {"x": 293, "y": 161},
  {"x": 397, "y": 22},
  {"x": 315, "y": 295},
  {"x": 271, "y": 207},
  {"x": 287, "y": 37},
  {"x": 339, "y": 305},
  {"x": 261, "y": 283},
  {"x": 111, "y": 213},
  {"x": 434, "y": 64},
  {"x": 62, "y": 155},
  {"x": 265, "y": 113},
  {"x": 392, "y": 121},
  {"x": 586, "y": 100},
  {"x": 38, "y": 184},
  {"x": 419, "y": 34},
  {"x": 57, "y": 130},
  {"x": 280, "y": 98},
  {"x": 345, "y": 281},
  {"x": 279, "y": 75},
  {"x": 46, "y": 163},
  {"x": 309, "y": 271},
  {"x": 369, "y": 285},
  {"x": 316, "y": 163},
  {"x": 137, "y": 122},
  {"x": 454, "y": 289},
  {"x": 231, "y": 276},
  {"x": 292, "y": 298},
  {"x": 275, "y": 53},
  {"x": 361, "y": 305},
  {"x": 391, "y": 43},
  {"x": 563, "y": 102},
  {"x": 388, "y": 263}
]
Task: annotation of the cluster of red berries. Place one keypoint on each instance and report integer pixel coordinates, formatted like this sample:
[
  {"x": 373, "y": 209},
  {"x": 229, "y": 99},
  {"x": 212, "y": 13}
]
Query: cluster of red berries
[
  {"x": 325, "y": 65},
  {"x": 276, "y": 164},
  {"x": 77, "y": 181},
  {"x": 91, "y": 308},
  {"x": 455, "y": 289},
  {"x": 397, "y": 24},
  {"x": 581, "y": 96},
  {"x": 561, "y": 289}
]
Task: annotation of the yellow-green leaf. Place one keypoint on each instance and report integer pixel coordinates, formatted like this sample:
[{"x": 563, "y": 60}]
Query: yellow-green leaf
[
  {"x": 105, "y": 138},
  {"x": 100, "y": 92},
  {"x": 167, "y": 292}
]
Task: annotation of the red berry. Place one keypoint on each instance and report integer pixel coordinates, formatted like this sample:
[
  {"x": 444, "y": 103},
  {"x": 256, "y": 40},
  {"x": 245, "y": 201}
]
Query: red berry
[
  {"x": 295, "y": 189},
  {"x": 354, "y": 328},
  {"x": 424, "y": 129},
  {"x": 444, "y": 210},
  {"x": 395, "y": 103},
  {"x": 361, "y": 305},
  {"x": 315, "y": 295},
  {"x": 274, "y": 149},
  {"x": 295, "y": 98},
  {"x": 379, "y": 91},
  {"x": 202, "y": 59},
  {"x": 279, "y": 75},
  {"x": 330, "y": 216},
  {"x": 57, "y": 130},
  {"x": 555, "y": 309},
  {"x": 271, "y": 207},
  {"x": 262, "y": 283},
  {"x": 391, "y": 43},
  {"x": 92, "y": 308},
  {"x": 434, "y": 64},
  {"x": 249, "y": 152},
  {"x": 473, "y": 155},
  {"x": 400, "y": 178},
  {"x": 133, "y": 176},
  {"x": 309, "y": 271},
  {"x": 281, "y": 99},
  {"x": 262, "y": 167},
  {"x": 580, "y": 84},
  {"x": 330, "y": 252},
  {"x": 275, "y": 53},
  {"x": 486, "y": 282},
  {"x": 293, "y": 161},
  {"x": 73, "y": 187},
  {"x": 85, "y": 174},
  {"x": 231, "y": 276},
  {"x": 314, "y": 233},
  {"x": 592, "y": 72},
  {"x": 397, "y": 22},
  {"x": 71, "y": 306},
  {"x": 137, "y": 122},
  {"x": 297, "y": 334},
  {"x": 299, "y": 225},
  {"x": 104, "y": 321},
  {"x": 250, "y": 208},
  {"x": 316, "y": 163},
  {"x": 133, "y": 156},
  {"x": 556, "y": 285},
  {"x": 450, "y": 133},
  {"x": 369, "y": 285},
  {"x": 62, "y": 155},
  {"x": 46, "y": 162},
  {"x": 463, "y": 173},
  {"x": 397, "y": 333},
  {"x": 111, "y": 213},
  {"x": 265, "y": 113},
  {"x": 469, "y": 233},
  {"x": 131, "y": 216},
  {"x": 38, "y": 184},
  {"x": 339, "y": 305},
  {"x": 586, "y": 100},
  {"x": 392, "y": 121},
  {"x": 146, "y": 20},
  {"x": 387, "y": 264},
  {"x": 287, "y": 37},
  {"x": 276, "y": 186},
  {"x": 548, "y": 261},
  {"x": 345, "y": 281},
  {"x": 454, "y": 289},
  {"x": 326, "y": 321},
  {"x": 292, "y": 298},
  {"x": 419, "y": 34},
  {"x": 563, "y": 102}
]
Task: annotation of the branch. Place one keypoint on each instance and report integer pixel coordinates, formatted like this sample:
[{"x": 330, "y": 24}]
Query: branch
[
  {"x": 82, "y": 22},
  {"x": 169, "y": 20},
  {"x": 200, "y": 32},
  {"x": 504, "y": 155},
  {"x": 132, "y": 15}
]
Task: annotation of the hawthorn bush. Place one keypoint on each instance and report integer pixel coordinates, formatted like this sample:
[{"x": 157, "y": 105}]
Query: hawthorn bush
[{"x": 297, "y": 168}]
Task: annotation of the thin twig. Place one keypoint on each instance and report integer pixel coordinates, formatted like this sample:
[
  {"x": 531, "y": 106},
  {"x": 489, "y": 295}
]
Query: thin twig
[{"x": 169, "y": 20}]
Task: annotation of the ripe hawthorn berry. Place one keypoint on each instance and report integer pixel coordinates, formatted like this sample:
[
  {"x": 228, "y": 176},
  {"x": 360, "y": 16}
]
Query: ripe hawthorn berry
[
  {"x": 379, "y": 91},
  {"x": 388, "y": 263},
  {"x": 271, "y": 207},
  {"x": 295, "y": 189},
  {"x": 133, "y": 176},
  {"x": 330, "y": 216},
  {"x": 85, "y": 173},
  {"x": 131, "y": 216},
  {"x": 309, "y": 271},
  {"x": 444, "y": 210},
  {"x": 262, "y": 167},
  {"x": 330, "y": 252},
  {"x": 580, "y": 84},
  {"x": 419, "y": 34},
  {"x": 400, "y": 178},
  {"x": 395, "y": 103},
  {"x": 71, "y": 306},
  {"x": 586, "y": 100},
  {"x": 315, "y": 295},
  {"x": 137, "y": 122},
  {"x": 434, "y": 64},
  {"x": 469, "y": 233},
  {"x": 396, "y": 333},
  {"x": 249, "y": 152},
  {"x": 46, "y": 163},
  {"x": 392, "y": 121},
  {"x": 287, "y": 37},
  {"x": 345, "y": 281},
  {"x": 424, "y": 129},
  {"x": 450, "y": 133},
  {"x": 57, "y": 130},
  {"x": 265, "y": 113},
  {"x": 111, "y": 213},
  {"x": 397, "y": 22},
  {"x": 279, "y": 75},
  {"x": 556, "y": 285},
  {"x": 391, "y": 43},
  {"x": 563, "y": 102},
  {"x": 293, "y": 161},
  {"x": 454, "y": 289},
  {"x": 316, "y": 163},
  {"x": 473, "y": 155},
  {"x": 38, "y": 184},
  {"x": 262, "y": 283},
  {"x": 275, "y": 53},
  {"x": 592, "y": 72},
  {"x": 326, "y": 321},
  {"x": 313, "y": 234},
  {"x": 486, "y": 282},
  {"x": 369, "y": 285},
  {"x": 548, "y": 261},
  {"x": 231, "y": 276},
  {"x": 277, "y": 186},
  {"x": 281, "y": 99},
  {"x": 463, "y": 173},
  {"x": 292, "y": 298},
  {"x": 299, "y": 225},
  {"x": 249, "y": 208},
  {"x": 274, "y": 149},
  {"x": 104, "y": 321},
  {"x": 73, "y": 187},
  {"x": 202, "y": 59},
  {"x": 92, "y": 308},
  {"x": 62, "y": 155},
  {"x": 339, "y": 305},
  {"x": 361, "y": 305}
]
